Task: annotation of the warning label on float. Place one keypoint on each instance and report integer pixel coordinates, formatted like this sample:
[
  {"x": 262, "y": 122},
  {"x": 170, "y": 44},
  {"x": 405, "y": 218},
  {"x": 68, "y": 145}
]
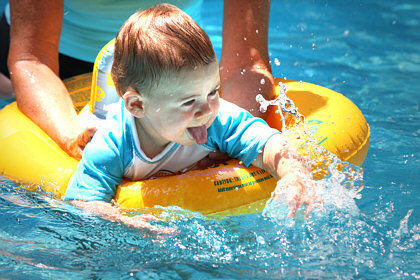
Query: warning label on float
[{"x": 237, "y": 182}]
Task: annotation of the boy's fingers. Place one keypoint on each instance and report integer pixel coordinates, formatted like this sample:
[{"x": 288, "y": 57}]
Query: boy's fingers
[
  {"x": 149, "y": 217},
  {"x": 295, "y": 203},
  {"x": 213, "y": 158},
  {"x": 144, "y": 222},
  {"x": 309, "y": 209}
]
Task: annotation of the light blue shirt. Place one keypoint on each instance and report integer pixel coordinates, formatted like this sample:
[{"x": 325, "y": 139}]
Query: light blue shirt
[
  {"x": 89, "y": 24},
  {"x": 115, "y": 152}
]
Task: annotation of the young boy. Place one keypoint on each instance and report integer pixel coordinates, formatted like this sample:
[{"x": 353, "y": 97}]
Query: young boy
[{"x": 171, "y": 116}]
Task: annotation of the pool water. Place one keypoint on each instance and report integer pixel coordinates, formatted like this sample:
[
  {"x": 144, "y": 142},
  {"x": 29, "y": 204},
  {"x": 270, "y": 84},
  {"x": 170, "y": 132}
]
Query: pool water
[{"x": 369, "y": 51}]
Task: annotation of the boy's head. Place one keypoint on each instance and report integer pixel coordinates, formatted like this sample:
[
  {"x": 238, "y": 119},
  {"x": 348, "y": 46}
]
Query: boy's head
[
  {"x": 166, "y": 71},
  {"x": 156, "y": 43}
]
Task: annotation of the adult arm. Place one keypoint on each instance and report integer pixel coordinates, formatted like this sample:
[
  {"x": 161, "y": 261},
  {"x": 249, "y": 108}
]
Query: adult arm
[
  {"x": 244, "y": 66},
  {"x": 33, "y": 65}
]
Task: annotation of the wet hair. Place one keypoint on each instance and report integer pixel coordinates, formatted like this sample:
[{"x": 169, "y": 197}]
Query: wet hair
[{"x": 155, "y": 43}]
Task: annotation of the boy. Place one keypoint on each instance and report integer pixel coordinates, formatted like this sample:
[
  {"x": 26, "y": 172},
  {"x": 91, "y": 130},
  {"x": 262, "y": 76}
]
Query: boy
[{"x": 170, "y": 116}]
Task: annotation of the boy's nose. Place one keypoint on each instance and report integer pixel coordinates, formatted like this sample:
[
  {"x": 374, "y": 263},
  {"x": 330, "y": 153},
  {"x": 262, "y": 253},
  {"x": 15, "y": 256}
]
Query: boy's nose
[{"x": 203, "y": 111}]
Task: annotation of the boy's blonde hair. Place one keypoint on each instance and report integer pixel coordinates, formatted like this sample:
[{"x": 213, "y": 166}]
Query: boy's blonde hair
[{"x": 155, "y": 43}]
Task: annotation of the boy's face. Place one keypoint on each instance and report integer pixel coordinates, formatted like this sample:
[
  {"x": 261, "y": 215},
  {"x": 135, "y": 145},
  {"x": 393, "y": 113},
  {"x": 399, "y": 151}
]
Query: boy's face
[{"x": 182, "y": 107}]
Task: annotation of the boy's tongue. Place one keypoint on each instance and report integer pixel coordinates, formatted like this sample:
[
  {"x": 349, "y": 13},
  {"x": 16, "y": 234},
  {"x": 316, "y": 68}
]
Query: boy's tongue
[{"x": 199, "y": 133}]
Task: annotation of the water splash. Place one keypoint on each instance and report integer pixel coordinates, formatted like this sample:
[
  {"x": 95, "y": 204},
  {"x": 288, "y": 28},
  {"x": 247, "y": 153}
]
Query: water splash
[
  {"x": 283, "y": 103},
  {"x": 337, "y": 183}
]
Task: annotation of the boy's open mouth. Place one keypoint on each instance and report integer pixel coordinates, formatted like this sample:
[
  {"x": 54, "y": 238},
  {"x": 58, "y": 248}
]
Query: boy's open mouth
[{"x": 199, "y": 133}]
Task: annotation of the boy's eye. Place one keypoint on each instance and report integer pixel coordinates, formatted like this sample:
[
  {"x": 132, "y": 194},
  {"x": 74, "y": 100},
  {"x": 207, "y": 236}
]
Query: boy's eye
[
  {"x": 188, "y": 103},
  {"x": 214, "y": 92}
]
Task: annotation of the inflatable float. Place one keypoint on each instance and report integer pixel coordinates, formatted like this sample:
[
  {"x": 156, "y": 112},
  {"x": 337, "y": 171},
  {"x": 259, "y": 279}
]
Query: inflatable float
[{"x": 29, "y": 157}]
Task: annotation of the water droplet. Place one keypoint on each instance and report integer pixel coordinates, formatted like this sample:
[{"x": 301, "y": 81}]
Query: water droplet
[
  {"x": 346, "y": 33},
  {"x": 262, "y": 81},
  {"x": 256, "y": 31},
  {"x": 313, "y": 46},
  {"x": 260, "y": 240},
  {"x": 277, "y": 61},
  {"x": 244, "y": 38}
]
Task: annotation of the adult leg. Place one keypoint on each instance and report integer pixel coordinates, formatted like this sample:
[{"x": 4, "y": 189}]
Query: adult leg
[{"x": 6, "y": 91}]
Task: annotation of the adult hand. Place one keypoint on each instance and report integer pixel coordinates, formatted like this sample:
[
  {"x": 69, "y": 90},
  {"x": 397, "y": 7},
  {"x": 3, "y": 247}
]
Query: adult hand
[
  {"x": 74, "y": 147},
  {"x": 242, "y": 87}
]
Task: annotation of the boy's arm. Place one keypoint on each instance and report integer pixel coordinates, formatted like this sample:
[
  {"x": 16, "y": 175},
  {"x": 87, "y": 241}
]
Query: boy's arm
[
  {"x": 92, "y": 187},
  {"x": 108, "y": 211},
  {"x": 285, "y": 164},
  {"x": 91, "y": 192}
]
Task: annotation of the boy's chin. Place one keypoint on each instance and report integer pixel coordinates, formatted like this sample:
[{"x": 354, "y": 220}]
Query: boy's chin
[{"x": 188, "y": 141}]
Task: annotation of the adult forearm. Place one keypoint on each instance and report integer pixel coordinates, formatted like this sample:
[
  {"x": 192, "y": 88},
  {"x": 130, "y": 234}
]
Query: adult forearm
[
  {"x": 42, "y": 96},
  {"x": 245, "y": 34},
  {"x": 244, "y": 67}
]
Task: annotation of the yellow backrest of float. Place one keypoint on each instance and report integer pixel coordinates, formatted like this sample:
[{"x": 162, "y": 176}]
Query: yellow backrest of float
[{"x": 44, "y": 164}]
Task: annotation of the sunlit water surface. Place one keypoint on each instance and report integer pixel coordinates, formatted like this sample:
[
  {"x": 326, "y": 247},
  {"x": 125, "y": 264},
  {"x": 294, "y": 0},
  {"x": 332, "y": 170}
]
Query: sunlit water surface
[{"x": 368, "y": 51}]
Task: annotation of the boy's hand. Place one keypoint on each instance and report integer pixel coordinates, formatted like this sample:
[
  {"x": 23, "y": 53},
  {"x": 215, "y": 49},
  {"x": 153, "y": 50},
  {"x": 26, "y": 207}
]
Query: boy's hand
[
  {"x": 213, "y": 158},
  {"x": 143, "y": 221},
  {"x": 293, "y": 188},
  {"x": 109, "y": 212},
  {"x": 295, "y": 184}
]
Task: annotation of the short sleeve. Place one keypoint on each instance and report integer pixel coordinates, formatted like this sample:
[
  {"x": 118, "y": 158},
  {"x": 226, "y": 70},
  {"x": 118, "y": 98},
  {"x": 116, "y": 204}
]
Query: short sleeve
[
  {"x": 101, "y": 168},
  {"x": 237, "y": 133}
]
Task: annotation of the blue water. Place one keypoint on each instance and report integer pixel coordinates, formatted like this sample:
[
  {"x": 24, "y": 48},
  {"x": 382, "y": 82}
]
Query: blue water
[{"x": 369, "y": 51}]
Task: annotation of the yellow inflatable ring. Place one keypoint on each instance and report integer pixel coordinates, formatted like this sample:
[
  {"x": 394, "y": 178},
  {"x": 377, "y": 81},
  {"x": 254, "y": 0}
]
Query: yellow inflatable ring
[{"x": 30, "y": 157}]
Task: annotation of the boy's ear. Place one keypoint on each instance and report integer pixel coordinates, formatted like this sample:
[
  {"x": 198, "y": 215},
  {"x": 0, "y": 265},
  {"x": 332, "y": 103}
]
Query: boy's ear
[{"x": 133, "y": 101}]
